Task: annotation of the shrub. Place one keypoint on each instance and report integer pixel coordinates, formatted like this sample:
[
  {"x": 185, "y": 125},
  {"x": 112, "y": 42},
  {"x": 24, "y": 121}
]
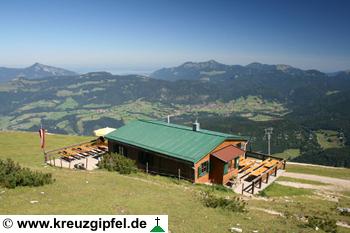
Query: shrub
[
  {"x": 325, "y": 223},
  {"x": 119, "y": 163},
  {"x": 221, "y": 188},
  {"x": 13, "y": 175},
  {"x": 234, "y": 204}
]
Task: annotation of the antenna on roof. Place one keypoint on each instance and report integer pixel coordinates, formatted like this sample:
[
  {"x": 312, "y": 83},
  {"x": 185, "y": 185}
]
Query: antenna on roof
[
  {"x": 168, "y": 118},
  {"x": 195, "y": 125}
]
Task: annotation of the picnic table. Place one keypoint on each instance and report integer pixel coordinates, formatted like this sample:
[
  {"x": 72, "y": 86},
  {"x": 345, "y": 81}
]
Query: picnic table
[
  {"x": 271, "y": 163},
  {"x": 245, "y": 162},
  {"x": 259, "y": 171}
]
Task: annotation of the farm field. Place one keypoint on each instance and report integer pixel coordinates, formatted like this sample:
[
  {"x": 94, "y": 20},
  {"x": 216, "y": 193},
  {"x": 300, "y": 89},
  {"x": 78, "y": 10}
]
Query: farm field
[
  {"x": 288, "y": 154},
  {"x": 64, "y": 114},
  {"x": 102, "y": 192},
  {"x": 328, "y": 139}
]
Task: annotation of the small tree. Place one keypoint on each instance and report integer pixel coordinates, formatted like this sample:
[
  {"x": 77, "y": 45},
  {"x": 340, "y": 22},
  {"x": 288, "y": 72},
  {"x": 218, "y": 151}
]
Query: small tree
[
  {"x": 13, "y": 175},
  {"x": 231, "y": 203},
  {"x": 119, "y": 163}
]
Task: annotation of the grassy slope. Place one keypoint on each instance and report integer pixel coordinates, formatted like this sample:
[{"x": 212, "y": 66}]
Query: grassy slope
[
  {"x": 277, "y": 190},
  {"x": 110, "y": 193},
  {"x": 342, "y": 173},
  {"x": 288, "y": 154},
  {"x": 303, "y": 181},
  {"x": 328, "y": 139}
]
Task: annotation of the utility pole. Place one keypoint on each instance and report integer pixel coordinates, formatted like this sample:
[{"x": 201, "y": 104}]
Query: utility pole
[{"x": 268, "y": 132}]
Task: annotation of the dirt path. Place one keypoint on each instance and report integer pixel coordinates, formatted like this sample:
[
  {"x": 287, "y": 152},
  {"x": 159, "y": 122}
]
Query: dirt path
[
  {"x": 272, "y": 212},
  {"x": 276, "y": 213},
  {"x": 314, "y": 165},
  {"x": 334, "y": 183},
  {"x": 306, "y": 186}
]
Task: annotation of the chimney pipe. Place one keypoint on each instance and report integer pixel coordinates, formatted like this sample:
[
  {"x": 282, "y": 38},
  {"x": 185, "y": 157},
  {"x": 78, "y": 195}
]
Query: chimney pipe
[{"x": 196, "y": 126}]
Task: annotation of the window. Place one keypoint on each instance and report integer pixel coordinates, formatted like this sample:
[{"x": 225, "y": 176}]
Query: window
[
  {"x": 237, "y": 162},
  {"x": 144, "y": 158},
  {"x": 115, "y": 148},
  {"x": 225, "y": 168},
  {"x": 230, "y": 165},
  {"x": 203, "y": 169},
  {"x": 119, "y": 149}
]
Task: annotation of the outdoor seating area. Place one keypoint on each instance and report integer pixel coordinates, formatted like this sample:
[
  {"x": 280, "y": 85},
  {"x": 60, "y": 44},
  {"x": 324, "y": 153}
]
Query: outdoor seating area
[
  {"x": 253, "y": 172},
  {"x": 81, "y": 156},
  {"x": 81, "y": 152}
]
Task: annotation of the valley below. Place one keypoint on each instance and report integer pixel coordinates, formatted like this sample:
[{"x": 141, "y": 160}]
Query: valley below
[{"x": 305, "y": 108}]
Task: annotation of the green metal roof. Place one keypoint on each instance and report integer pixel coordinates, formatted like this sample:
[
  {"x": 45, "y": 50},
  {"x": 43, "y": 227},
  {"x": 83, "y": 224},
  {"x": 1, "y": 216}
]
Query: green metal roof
[{"x": 170, "y": 139}]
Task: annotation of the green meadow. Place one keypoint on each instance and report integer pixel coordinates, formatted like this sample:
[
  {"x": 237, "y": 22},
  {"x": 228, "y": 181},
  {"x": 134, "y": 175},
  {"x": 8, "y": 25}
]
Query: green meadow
[{"x": 103, "y": 192}]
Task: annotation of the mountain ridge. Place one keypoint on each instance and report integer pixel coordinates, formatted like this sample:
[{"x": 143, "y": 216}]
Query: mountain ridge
[
  {"x": 37, "y": 70},
  {"x": 211, "y": 69}
]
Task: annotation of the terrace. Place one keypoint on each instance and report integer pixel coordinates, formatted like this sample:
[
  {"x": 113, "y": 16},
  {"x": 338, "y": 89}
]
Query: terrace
[
  {"x": 83, "y": 156},
  {"x": 256, "y": 172}
]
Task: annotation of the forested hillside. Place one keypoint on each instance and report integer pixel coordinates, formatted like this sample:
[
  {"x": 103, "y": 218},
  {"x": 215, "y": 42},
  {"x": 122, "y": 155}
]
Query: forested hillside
[{"x": 243, "y": 99}]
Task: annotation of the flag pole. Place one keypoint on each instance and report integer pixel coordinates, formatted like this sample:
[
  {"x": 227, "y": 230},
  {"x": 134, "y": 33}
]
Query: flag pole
[{"x": 42, "y": 137}]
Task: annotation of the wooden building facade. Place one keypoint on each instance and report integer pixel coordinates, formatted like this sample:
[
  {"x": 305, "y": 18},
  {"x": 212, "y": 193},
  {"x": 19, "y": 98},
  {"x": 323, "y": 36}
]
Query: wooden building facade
[{"x": 198, "y": 155}]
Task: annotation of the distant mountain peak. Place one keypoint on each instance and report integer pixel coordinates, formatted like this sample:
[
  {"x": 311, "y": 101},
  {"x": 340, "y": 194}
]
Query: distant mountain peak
[
  {"x": 254, "y": 64},
  {"x": 212, "y": 61},
  {"x": 37, "y": 64},
  {"x": 283, "y": 67},
  {"x": 200, "y": 65},
  {"x": 37, "y": 70},
  {"x": 211, "y": 69}
]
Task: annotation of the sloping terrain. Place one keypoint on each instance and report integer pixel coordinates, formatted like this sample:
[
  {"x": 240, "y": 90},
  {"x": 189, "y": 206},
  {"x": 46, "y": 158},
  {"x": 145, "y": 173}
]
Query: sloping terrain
[
  {"x": 298, "y": 104},
  {"x": 36, "y": 70},
  {"x": 100, "y": 192}
]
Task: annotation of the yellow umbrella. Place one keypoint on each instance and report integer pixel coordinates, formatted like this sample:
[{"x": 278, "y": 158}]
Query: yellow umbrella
[{"x": 102, "y": 132}]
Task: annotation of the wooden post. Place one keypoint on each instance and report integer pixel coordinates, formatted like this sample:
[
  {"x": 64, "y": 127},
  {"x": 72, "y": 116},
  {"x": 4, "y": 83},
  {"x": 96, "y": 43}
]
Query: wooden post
[
  {"x": 86, "y": 163},
  {"x": 267, "y": 177},
  {"x": 54, "y": 161},
  {"x": 179, "y": 173},
  {"x": 284, "y": 164},
  {"x": 276, "y": 171},
  {"x": 242, "y": 188},
  {"x": 45, "y": 157},
  {"x": 147, "y": 167},
  {"x": 69, "y": 164},
  {"x": 253, "y": 186},
  {"x": 61, "y": 161},
  {"x": 260, "y": 181}
]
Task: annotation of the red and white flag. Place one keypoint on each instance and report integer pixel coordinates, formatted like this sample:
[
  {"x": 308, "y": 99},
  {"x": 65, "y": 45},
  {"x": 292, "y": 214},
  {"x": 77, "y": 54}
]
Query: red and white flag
[{"x": 42, "y": 137}]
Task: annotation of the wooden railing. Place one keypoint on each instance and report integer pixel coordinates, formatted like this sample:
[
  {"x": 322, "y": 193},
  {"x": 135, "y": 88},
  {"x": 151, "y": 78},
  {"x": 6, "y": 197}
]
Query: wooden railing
[
  {"x": 261, "y": 156},
  {"x": 70, "y": 146}
]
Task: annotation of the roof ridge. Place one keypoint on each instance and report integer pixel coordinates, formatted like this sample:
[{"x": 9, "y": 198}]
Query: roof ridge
[{"x": 172, "y": 125}]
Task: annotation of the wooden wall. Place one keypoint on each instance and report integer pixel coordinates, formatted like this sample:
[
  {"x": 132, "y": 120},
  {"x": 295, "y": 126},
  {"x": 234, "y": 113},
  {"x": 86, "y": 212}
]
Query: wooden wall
[
  {"x": 158, "y": 163},
  {"x": 163, "y": 164},
  {"x": 206, "y": 178}
]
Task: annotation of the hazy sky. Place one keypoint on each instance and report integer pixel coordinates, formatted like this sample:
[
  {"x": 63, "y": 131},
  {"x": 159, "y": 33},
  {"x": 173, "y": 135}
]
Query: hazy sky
[{"x": 146, "y": 35}]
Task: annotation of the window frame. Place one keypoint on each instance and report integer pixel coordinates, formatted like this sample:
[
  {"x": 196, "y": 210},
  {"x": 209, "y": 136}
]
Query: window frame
[{"x": 203, "y": 168}]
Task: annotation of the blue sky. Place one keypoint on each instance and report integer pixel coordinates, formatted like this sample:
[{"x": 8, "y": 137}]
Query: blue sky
[{"x": 145, "y": 35}]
